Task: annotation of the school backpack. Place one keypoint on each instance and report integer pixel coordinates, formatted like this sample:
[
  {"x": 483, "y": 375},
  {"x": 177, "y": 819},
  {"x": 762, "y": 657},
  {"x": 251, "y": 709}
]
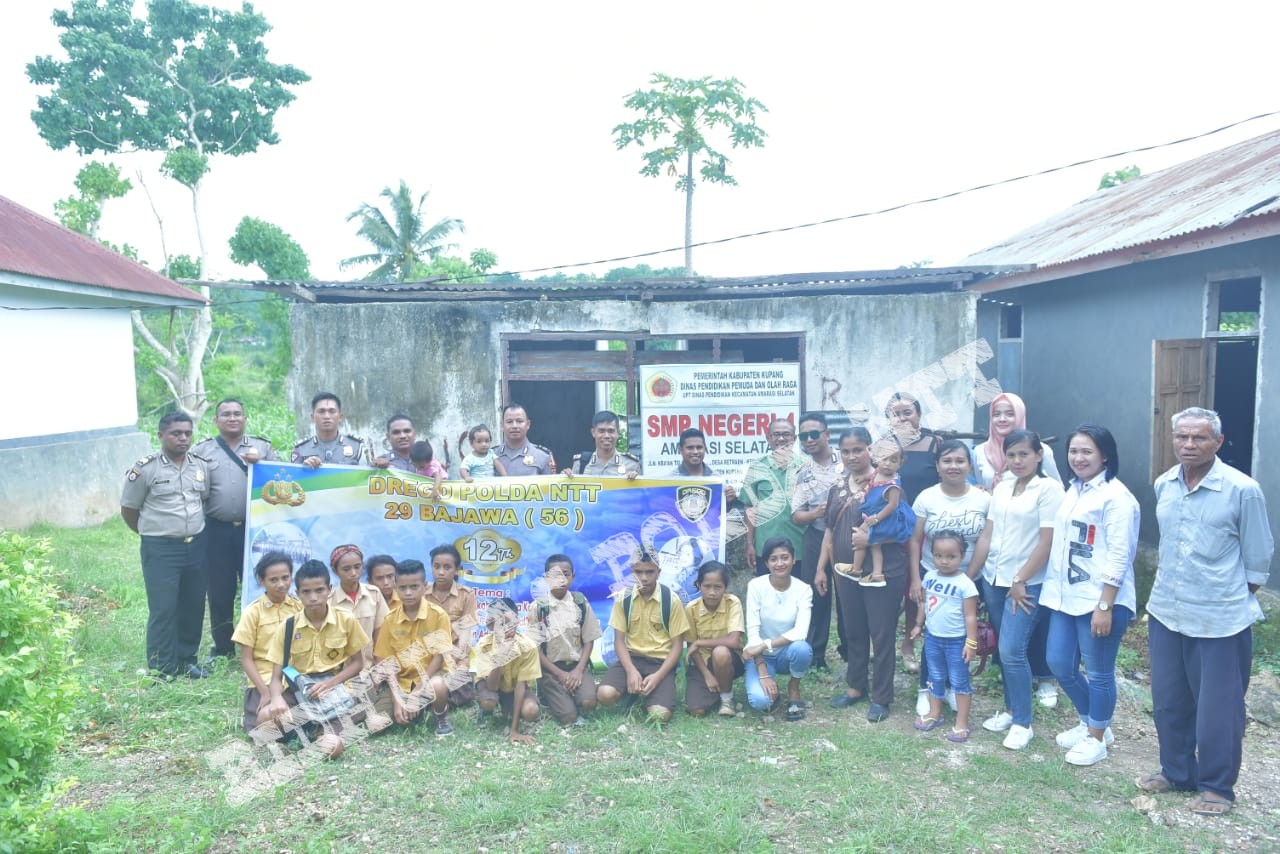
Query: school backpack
[{"x": 665, "y": 592}]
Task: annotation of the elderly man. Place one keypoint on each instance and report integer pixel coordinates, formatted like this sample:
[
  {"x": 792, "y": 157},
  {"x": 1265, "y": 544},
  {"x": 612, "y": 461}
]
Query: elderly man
[
  {"x": 1215, "y": 552},
  {"x": 766, "y": 491}
]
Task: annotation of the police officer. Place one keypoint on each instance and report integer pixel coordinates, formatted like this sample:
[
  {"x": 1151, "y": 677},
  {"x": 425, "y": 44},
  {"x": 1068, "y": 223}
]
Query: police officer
[
  {"x": 401, "y": 434},
  {"x": 606, "y": 460},
  {"x": 228, "y": 456},
  {"x": 163, "y": 501},
  {"x": 327, "y": 446},
  {"x": 518, "y": 455}
]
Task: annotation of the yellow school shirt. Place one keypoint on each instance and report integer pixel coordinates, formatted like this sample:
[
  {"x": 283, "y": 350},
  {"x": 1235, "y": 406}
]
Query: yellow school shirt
[
  {"x": 564, "y": 635},
  {"x": 424, "y": 637},
  {"x": 369, "y": 608},
  {"x": 260, "y": 622},
  {"x": 645, "y": 635},
  {"x": 519, "y": 662},
  {"x": 323, "y": 651},
  {"x": 714, "y": 624}
]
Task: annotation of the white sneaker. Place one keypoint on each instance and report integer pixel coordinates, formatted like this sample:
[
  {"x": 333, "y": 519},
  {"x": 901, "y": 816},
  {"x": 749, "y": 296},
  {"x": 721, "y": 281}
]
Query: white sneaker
[
  {"x": 1089, "y": 751},
  {"x": 950, "y": 697},
  {"x": 1018, "y": 737},
  {"x": 999, "y": 722},
  {"x": 1078, "y": 733},
  {"x": 1047, "y": 694},
  {"x": 922, "y": 703}
]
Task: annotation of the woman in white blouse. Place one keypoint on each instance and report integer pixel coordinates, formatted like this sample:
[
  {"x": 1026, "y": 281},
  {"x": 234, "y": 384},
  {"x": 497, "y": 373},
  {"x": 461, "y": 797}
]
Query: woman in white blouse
[
  {"x": 1089, "y": 590},
  {"x": 778, "y": 610}
]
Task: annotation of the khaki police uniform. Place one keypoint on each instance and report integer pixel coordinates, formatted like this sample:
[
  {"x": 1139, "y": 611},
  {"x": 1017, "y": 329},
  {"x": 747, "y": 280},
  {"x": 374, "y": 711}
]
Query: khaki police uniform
[
  {"x": 169, "y": 498},
  {"x": 620, "y": 465},
  {"x": 529, "y": 460},
  {"x": 226, "y": 511},
  {"x": 345, "y": 450}
]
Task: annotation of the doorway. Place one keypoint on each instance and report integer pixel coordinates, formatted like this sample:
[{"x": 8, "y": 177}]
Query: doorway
[
  {"x": 1235, "y": 390},
  {"x": 561, "y": 413}
]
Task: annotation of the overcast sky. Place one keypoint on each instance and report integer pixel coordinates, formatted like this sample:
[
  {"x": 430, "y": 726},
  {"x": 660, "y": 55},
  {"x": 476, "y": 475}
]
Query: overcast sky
[{"x": 504, "y": 112}]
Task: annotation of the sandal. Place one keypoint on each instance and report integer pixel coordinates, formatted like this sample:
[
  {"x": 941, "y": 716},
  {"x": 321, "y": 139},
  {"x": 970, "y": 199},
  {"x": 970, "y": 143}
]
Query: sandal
[
  {"x": 911, "y": 663},
  {"x": 1156, "y": 784},
  {"x": 1202, "y": 804},
  {"x": 795, "y": 711},
  {"x": 957, "y": 736},
  {"x": 927, "y": 724}
]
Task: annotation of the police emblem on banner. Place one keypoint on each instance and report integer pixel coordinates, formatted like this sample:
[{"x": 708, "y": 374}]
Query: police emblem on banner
[{"x": 693, "y": 501}]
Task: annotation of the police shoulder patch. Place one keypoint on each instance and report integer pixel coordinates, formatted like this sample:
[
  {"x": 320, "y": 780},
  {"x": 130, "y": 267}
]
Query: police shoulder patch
[{"x": 303, "y": 441}]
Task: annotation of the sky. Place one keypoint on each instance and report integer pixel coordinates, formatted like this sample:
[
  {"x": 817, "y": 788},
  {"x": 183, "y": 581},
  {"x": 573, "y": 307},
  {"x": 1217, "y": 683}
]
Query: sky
[{"x": 504, "y": 112}]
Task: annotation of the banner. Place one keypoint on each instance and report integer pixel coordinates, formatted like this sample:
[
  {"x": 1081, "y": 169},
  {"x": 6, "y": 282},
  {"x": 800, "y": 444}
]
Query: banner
[
  {"x": 733, "y": 404},
  {"x": 504, "y": 528}
]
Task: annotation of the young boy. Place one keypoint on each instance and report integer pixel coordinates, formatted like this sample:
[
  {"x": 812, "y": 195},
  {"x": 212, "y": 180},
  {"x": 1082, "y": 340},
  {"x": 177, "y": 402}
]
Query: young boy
[
  {"x": 325, "y": 644},
  {"x": 413, "y": 639},
  {"x": 460, "y": 604},
  {"x": 648, "y": 629},
  {"x": 505, "y": 663},
  {"x": 569, "y": 628}
]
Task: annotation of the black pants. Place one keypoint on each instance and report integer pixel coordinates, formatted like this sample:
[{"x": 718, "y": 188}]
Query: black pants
[
  {"x": 176, "y": 578},
  {"x": 871, "y": 621},
  {"x": 226, "y": 562},
  {"x": 820, "y": 621}
]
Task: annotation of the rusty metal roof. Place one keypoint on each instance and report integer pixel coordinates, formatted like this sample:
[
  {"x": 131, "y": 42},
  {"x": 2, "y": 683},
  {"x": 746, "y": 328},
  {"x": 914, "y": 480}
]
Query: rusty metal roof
[
  {"x": 35, "y": 246},
  {"x": 1207, "y": 194}
]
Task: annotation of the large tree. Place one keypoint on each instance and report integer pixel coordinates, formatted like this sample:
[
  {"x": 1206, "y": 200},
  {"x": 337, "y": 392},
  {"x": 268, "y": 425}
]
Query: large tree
[
  {"x": 677, "y": 115},
  {"x": 403, "y": 241},
  {"x": 190, "y": 81}
]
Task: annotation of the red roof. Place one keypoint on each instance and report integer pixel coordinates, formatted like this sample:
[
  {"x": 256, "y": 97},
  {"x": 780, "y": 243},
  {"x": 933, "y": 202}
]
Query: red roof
[{"x": 35, "y": 246}]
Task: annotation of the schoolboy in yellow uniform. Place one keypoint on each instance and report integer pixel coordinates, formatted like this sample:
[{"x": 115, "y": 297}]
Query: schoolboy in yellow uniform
[
  {"x": 460, "y": 604},
  {"x": 648, "y": 636},
  {"x": 505, "y": 663},
  {"x": 569, "y": 630},
  {"x": 716, "y": 627},
  {"x": 413, "y": 639},
  {"x": 259, "y": 624}
]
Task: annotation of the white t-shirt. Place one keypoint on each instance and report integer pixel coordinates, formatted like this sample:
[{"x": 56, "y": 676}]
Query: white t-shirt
[
  {"x": 944, "y": 597},
  {"x": 983, "y": 473},
  {"x": 941, "y": 512},
  {"x": 773, "y": 613},
  {"x": 1016, "y": 522}
]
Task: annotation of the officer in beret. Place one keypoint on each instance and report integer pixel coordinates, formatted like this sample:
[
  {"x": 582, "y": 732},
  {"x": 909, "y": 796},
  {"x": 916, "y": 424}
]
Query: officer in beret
[
  {"x": 163, "y": 502},
  {"x": 327, "y": 446},
  {"x": 606, "y": 460},
  {"x": 517, "y": 454}
]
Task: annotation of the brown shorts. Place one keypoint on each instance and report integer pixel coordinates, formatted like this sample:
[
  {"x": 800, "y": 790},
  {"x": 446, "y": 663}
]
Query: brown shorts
[
  {"x": 696, "y": 695},
  {"x": 663, "y": 695},
  {"x": 560, "y": 702},
  {"x": 381, "y": 696},
  {"x": 461, "y": 694}
]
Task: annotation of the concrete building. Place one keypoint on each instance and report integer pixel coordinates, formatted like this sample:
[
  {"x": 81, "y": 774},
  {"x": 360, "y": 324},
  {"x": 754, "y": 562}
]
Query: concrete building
[
  {"x": 68, "y": 430},
  {"x": 1144, "y": 299}
]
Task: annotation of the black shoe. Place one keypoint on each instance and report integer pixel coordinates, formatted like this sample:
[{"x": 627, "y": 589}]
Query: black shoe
[
  {"x": 195, "y": 671},
  {"x": 877, "y": 713},
  {"x": 844, "y": 701}
]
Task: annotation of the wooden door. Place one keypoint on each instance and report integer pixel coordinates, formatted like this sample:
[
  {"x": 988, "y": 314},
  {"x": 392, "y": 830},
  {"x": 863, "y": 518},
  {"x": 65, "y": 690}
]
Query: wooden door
[{"x": 1183, "y": 377}]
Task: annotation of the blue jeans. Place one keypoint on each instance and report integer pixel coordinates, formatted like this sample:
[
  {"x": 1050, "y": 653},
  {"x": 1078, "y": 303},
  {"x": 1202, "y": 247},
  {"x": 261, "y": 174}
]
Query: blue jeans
[
  {"x": 1015, "y": 632},
  {"x": 944, "y": 658},
  {"x": 793, "y": 659},
  {"x": 1071, "y": 641}
]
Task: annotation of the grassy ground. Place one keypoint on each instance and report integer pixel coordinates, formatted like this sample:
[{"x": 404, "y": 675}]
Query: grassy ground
[{"x": 830, "y": 782}]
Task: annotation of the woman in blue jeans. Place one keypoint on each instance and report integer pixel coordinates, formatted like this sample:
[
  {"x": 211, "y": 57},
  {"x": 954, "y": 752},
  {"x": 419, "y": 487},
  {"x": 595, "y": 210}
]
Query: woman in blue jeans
[
  {"x": 778, "y": 611},
  {"x": 1013, "y": 551},
  {"x": 1088, "y": 590}
]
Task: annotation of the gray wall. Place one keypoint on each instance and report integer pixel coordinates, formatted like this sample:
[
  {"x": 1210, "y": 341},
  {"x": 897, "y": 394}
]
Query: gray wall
[{"x": 72, "y": 483}]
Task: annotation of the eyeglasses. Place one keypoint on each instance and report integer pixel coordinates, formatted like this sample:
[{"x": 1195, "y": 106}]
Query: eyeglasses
[{"x": 810, "y": 435}]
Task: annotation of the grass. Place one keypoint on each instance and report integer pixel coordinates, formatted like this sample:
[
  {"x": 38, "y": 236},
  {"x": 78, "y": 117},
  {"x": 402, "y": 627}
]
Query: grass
[{"x": 830, "y": 782}]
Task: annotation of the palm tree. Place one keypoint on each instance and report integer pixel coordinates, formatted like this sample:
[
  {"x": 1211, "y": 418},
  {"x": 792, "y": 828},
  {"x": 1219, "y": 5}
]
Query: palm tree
[{"x": 399, "y": 249}]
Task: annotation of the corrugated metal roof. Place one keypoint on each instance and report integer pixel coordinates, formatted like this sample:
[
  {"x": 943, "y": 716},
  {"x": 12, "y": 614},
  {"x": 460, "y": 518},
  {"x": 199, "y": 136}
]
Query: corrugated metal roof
[
  {"x": 1214, "y": 191},
  {"x": 35, "y": 246}
]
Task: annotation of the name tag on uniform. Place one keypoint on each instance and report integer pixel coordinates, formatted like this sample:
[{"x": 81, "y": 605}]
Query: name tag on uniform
[
  {"x": 528, "y": 459},
  {"x": 346, "y": 450}
]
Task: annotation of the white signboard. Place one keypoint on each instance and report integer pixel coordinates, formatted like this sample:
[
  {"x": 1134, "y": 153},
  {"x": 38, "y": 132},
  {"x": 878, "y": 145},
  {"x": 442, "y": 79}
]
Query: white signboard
[{"x": 732, "y": 404}]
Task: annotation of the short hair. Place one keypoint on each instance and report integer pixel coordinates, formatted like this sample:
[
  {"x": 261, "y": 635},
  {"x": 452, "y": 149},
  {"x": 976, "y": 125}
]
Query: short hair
[
  {"x": 604, "y": 416},
  {"x": 218, "y": 405},
  {"x": 376, "y": 561},
  {"x": 902, "y": 397},
  {"x": 505, "y": 603},
  {"x": 557, "y": 558},
  {"x": 949, "y": 445},
  {"x": 691, "y": 433},
  {"x": 862, "y": 434},
  {"x": 399, "y": 416},
  {"x": 447, "y": 549},
  {"x": 174, "y": 418},
  {"x": 820, "y": 417},
  {"x": 1106, "y": 443},
  {"x": 421, "y": 452},
  {"x": 774, "y": 543},
  {"x": 511, "y": 406},
  {"x": 1032, "y": 438},
  {"x": 325, "y": 395},
  {"x": 710, "y": 567},
  {"x": 1199, "y": 414},
  {"x": 269, "y": 560},
  {"x": 781, "y": 420},
  {"x": 477, "y": 430},
  {"x": 950, "y": 534},
  {"x": 409, "y": 566},
  {"x": 311, "y": 569}
]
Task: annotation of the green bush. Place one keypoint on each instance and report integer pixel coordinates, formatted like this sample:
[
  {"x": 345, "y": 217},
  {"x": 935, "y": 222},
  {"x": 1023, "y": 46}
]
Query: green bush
[{"x": 38, "y": 690}]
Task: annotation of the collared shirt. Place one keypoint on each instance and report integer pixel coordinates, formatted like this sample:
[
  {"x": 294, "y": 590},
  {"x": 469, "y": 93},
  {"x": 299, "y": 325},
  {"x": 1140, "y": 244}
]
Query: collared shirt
[
  {"x": 413, "y": 641},
  {"x": 344, "y": 450},
  {"x": 705, "y": 624},
  {"x": 644, "y": 633},
  {"x": 681, "y": 471},
  {"x": 320, "y": 650},
  {"x": 768, "y": 488},
  {"x": 519, "y": 462},
  {"x": 369, "y": 608},
  {"x": 1215, "y": 541},
  {"x": 567, "y": 627},
  {"x": 262, "y": 621},
  {"x": 773, "y": 613},
  {"x": 228, "y": 499},
  {"x": 619, "y": 465},
  {"x": 1095, "y": 538},
  {"x": 1016, "y": 522},
  {"x": 813, "y": 483},
  {"x": 396, "y": 463},
  {"x": 518, "y": 661},
  {"x": 169, "y": 497},
  {"x": 460, "y": 604}
]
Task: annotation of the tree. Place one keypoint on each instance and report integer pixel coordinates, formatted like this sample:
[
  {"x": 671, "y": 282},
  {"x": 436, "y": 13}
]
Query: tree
[
  {"x": 97, "y": 182},
  {"x": 682, "y": 112},
  {"x": 1113, "y": 179},
  {"x": 279, "y": 255},
  {"x": 402, "y": 242},
  {"x": 191, "y": 81}
]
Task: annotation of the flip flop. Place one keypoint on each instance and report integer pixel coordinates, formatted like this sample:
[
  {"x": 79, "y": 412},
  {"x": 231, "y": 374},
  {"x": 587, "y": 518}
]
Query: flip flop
[
  {"x": 957, "y": 736},
  {"x": 1201, "y": 804},
  {"x": 1156, "y": 784},
  {"x": 927, "y": 724},
  {"x": 795, "y": 712}
]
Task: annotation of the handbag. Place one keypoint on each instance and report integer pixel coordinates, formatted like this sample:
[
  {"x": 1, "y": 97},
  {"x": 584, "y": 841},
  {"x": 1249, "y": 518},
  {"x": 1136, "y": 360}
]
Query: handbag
[
  {"x": 988, "y": 644},
  {"x": 336, "y": 702}
]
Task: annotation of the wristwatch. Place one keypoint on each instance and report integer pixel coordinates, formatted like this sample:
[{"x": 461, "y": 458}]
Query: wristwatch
[{"x": 1104, "y": 606}]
